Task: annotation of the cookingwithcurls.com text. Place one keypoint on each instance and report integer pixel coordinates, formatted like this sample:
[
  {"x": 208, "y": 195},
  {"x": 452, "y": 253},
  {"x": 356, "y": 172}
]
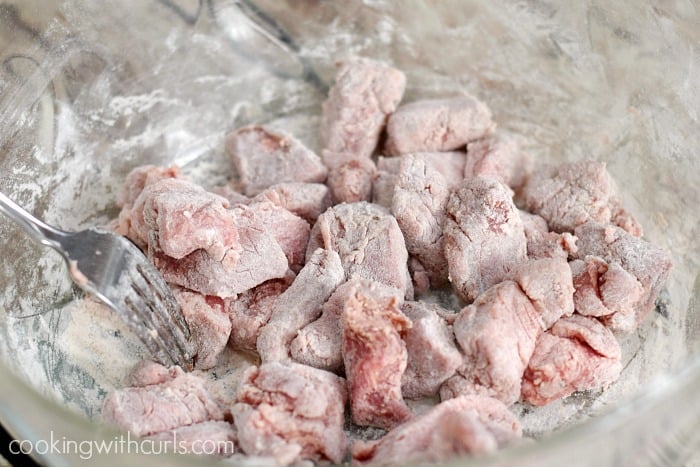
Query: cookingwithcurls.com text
[{"x": 121, "y": 444}]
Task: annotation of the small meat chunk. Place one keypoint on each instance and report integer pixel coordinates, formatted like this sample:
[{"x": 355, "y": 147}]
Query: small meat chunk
[
  {"x": 257, "y": 259},
  {"x": 578, "y": 353},
  {"x": 208, "y": 438},
  {"x": 368, "y": 240},
  {"x": 364, "y": 93},
  {"x": 290, "y": 231},
  {"x": 497, "y": 335},
  {"x": 181, "y": 217},
  {"x": 419, "y": 202},
  {"x": 291, "y": 412},
  {"x": 306, "y": 200},
  {"x": 549, "y": 286},
  {"x": 375, "y": 355},
  {"x": 649, "y": 264},
  {"x": 433, "y": 355},
  {"x": 148, "y": 372},
  {"x": 460, "y": 426},
  {"x": 541, "y": 243},
  {"x": 264, "y": 157},
  {"x": 483, "y": 236},
  {"x": 251, "y": 310},
  {"x": 141, "y": 177},
  {"x": 209, "y": 325},
  {"x": 499, "y": 158},
  {"x": 300, "y": 304},
  {"x": 142, "y": 411},
  {"x": 351, "y": 180},
  {"x": 570, "y": 194},
  {"x": 437, "y": 125},
  {"x": 606, "y": 291},
  {"x": 319, "y": 344}
]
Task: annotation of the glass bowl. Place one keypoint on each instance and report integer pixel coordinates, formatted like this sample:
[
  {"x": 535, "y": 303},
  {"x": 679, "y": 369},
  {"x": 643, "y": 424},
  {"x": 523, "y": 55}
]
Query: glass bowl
[{"x": 89, "y": 90}]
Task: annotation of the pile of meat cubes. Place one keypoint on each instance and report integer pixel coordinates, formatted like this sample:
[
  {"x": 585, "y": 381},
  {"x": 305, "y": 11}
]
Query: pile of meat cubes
[{"x": 321, "y": 266}]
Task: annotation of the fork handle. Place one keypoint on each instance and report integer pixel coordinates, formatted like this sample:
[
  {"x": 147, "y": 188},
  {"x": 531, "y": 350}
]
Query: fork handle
[{"x": 38, "y": 230}]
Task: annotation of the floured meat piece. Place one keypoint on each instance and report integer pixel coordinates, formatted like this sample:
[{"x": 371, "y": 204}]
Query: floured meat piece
[
  {"x": 264, "y": 157},
  {"x": 351, "y": 181},
  {"x": 231, "y": 194},
  {"x": 209, "y": 325},
  {"x": 251, "y": 310},
  {"x": 148, "y": 372},
  {"x": 483, "y": 236},
  {"x": 364, "y": 93},
  {"x": 624, "y": 219},
  {"x": 419, "y": 276},
  {"x": 212, "y": 438},
  {"x": 141, "y": 177},
  {"x": 183, "y": 217},
  {"x": 497, "y": 335},
  {"x": 437, "y": 125},
  {"x": 433, "y": 355},
  {"x": 544, "y": 244},
  {"x": 290, "y": 231},
  {"x": 622, "y": 251},
  {"x": 606, "y": 291},
  {"x": 499, "y": 158},
  {"x": 300, "y": 304},
  {"x": 306, "y": 200},
  {"x": 578, "y": 353},
  {"x": 142, "y": 411},
  {"x": 465, "y": 425},
  {"x": 291, "y": 412},
  {"x": 548, "y": 285},
  {"x": 420, "y": 198},
  {"x": 368, "y": 240},
  {"x": 319, "y": 344},
  {"x": 374, "y": 354},
  {"x": 570, "y": 194},
  {"x": 352, "y": 118},
  {"x": 258, "y": 258}
]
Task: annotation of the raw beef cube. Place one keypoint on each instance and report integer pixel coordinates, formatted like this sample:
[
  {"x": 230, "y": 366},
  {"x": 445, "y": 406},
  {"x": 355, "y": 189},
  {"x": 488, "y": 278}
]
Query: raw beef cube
[
  {"x": 251, "y": 310},
  {"x": 437, "y": 125},
  {"x": 212, "y": 438},
  {"x": 483, "y": 236},
  {"x": 264, "y": 157},
  {"x": 497, "y": 335},
  {"x": 541, "y": 243},
  {"x": 148, "y": 372},
  {"x": 209, "y": 325},
  {"x": 291, "y": 232},
  {"x": 291, "y": 412},
  {"x": 182, "y": 217},
  {"x": 448, "y": 164},
  {"x": 433, "y": 355},
  {"x": 548, "y": 285},
  {"x": 606, "y": 291},
  {"x": 420, "y": 198},
  {"x": 260, "y": 259},
  {"x": 351, "y": 181},
  {"x": 498, "y": 158},
  {"x": 306, "y": 200},
  {"x": 353, "y": 116},
  {"x": 319, "y": 344},
  {"x": 375, "y": 355},
  {"x": 624, "y": 219},
  {"x": 161, "y": 407},
  {"x": 648, "y": 263},
  {"x": 141, "y": 177},
  {"x": 300, "y": 304},
  {"x": 368, "y": 240},
  {"x": 460, "y": 426},
  {"x": 570, "y": 194},
  {"x": 578, "y": 353}
]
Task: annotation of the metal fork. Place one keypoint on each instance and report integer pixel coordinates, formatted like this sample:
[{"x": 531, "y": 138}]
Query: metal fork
[{"x": 112, "y": 269}]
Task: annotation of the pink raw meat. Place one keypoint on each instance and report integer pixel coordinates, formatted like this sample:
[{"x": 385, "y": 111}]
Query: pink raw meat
[
  {"x": 483, "y": 236},
  {"x": 291, "y": 412},
  {"x": 306, "y": 200},
  {"x": 265, "y": 156},
  {"x": 499, "y": 158},
  {"x": 437, "y": 125},
  {"x": 291, "y": 232},
  {"x": 578, "y": 353}
]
